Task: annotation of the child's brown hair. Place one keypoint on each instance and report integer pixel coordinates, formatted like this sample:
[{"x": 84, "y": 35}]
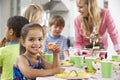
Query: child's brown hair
[{"x": 56, "y": 20}]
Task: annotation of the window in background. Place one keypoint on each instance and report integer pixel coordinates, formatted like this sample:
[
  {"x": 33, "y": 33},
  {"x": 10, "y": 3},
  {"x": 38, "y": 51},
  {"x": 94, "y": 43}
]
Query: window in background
[{"x": 105, "y": 3}]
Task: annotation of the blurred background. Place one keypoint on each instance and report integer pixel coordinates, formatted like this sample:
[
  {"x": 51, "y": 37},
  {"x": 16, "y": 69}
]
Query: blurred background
[{"x": 65, "y": 8}]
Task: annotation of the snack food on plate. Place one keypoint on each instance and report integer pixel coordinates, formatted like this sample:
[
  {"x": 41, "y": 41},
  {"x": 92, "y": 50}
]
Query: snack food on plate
[
  {"x": 66, "y": 63},
  {"x": 73, "y": 73},
  {"x": 89, "y": 71}
]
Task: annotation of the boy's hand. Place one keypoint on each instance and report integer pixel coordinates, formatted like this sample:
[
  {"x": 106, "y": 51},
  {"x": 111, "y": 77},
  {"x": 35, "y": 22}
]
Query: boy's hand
[{"x": 3, "y": 42}]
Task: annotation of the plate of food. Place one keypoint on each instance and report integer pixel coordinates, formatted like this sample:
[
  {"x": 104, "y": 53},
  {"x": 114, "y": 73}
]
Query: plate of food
[
  {"x": 74, "y": 75},
  {"x": 65, "y": 63}
]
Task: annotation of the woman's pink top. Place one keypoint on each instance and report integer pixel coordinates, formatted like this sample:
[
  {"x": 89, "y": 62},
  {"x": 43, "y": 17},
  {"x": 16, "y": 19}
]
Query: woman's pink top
[{"x": 107, "y": 26}]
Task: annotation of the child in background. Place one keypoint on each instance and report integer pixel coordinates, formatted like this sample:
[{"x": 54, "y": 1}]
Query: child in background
[
  {"x": 34, "y": 13},
  {"x": 28, "y": 65},
  {"x": 57, "y": 24},
  {"x": 10, "y": 51}
]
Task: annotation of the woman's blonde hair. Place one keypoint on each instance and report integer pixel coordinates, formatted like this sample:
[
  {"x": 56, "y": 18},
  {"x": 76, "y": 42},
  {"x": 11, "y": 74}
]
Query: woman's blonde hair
[
  {"x": 33, "y": 13},
  {"x": 93, "y": 19}
]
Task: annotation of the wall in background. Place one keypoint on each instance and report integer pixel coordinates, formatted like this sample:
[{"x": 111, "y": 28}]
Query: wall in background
[
  {"x": 113, "y": 6},
  {"x": 8, "y": 8},
  {"x": 4, "y": 15}
]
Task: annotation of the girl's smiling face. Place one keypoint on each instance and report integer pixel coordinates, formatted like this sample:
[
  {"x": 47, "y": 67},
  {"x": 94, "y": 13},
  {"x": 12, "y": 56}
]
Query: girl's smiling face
[{"x": 33, "y": 41}]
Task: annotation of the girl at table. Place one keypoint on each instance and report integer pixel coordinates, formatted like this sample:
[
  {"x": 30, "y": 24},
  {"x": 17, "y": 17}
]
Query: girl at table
[
  {"x": 29, "y": 65},
  {"x": 93, "y": 18}
]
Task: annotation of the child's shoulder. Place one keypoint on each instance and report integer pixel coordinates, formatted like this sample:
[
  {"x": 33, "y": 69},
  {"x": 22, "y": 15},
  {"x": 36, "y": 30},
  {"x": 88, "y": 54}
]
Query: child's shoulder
[
  {"x": 21, "y": 58},
  {"x": 63, "y": 37},
  {"x": 9, "y": 48}
]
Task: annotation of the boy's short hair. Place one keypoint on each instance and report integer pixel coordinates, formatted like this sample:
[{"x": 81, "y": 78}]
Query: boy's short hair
[
  {"x": 56, "y": 20},
  {"x": 16, "y": 23}
]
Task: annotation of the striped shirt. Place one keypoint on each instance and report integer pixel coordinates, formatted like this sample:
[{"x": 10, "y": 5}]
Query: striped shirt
[{"x": 60, "y": 40}]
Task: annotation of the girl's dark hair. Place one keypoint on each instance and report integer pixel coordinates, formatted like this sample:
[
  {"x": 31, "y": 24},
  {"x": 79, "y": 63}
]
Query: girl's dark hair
[
  {"x": 16, "y": 23},
  {"x": 25, "y": 31}
]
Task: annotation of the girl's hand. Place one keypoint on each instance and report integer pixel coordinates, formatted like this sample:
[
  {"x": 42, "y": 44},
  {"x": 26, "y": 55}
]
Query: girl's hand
[
  {"x": 58, "y": 70},
  {"x": 3, "y": 42},
  {"x": 39, "y": 55},
  {"x": 54, "y": 47}
]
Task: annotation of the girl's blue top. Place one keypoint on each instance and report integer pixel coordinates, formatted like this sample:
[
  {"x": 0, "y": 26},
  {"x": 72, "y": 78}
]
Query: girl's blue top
[{"x": 17, "y": 75}]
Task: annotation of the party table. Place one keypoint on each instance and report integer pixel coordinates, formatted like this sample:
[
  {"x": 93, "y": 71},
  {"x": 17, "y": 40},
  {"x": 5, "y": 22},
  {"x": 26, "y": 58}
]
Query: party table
[{"x": 96, "y": 76}]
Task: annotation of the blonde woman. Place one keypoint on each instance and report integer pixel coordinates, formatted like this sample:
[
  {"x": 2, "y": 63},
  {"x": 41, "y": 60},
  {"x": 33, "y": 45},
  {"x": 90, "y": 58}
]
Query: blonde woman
[{"x": 93, "y": 17}]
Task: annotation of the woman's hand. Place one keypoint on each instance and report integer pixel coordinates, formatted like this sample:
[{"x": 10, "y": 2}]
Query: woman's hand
[
  {"x": 3, "y": 42},
  {"x": 118, "y": 52},
  {"x": 77, "y": 54}
]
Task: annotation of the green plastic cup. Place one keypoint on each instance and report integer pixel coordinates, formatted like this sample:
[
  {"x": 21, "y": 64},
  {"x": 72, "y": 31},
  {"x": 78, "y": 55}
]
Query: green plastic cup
[
  {"x": 107, "y": 69},
  {"x": 78, "y": 61},
  {"x": 116, "y": 58},
  {"x": 72, "y": 59},
  {"x": 88, "y": 61},
  {"x": 49, "y": 57}
]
